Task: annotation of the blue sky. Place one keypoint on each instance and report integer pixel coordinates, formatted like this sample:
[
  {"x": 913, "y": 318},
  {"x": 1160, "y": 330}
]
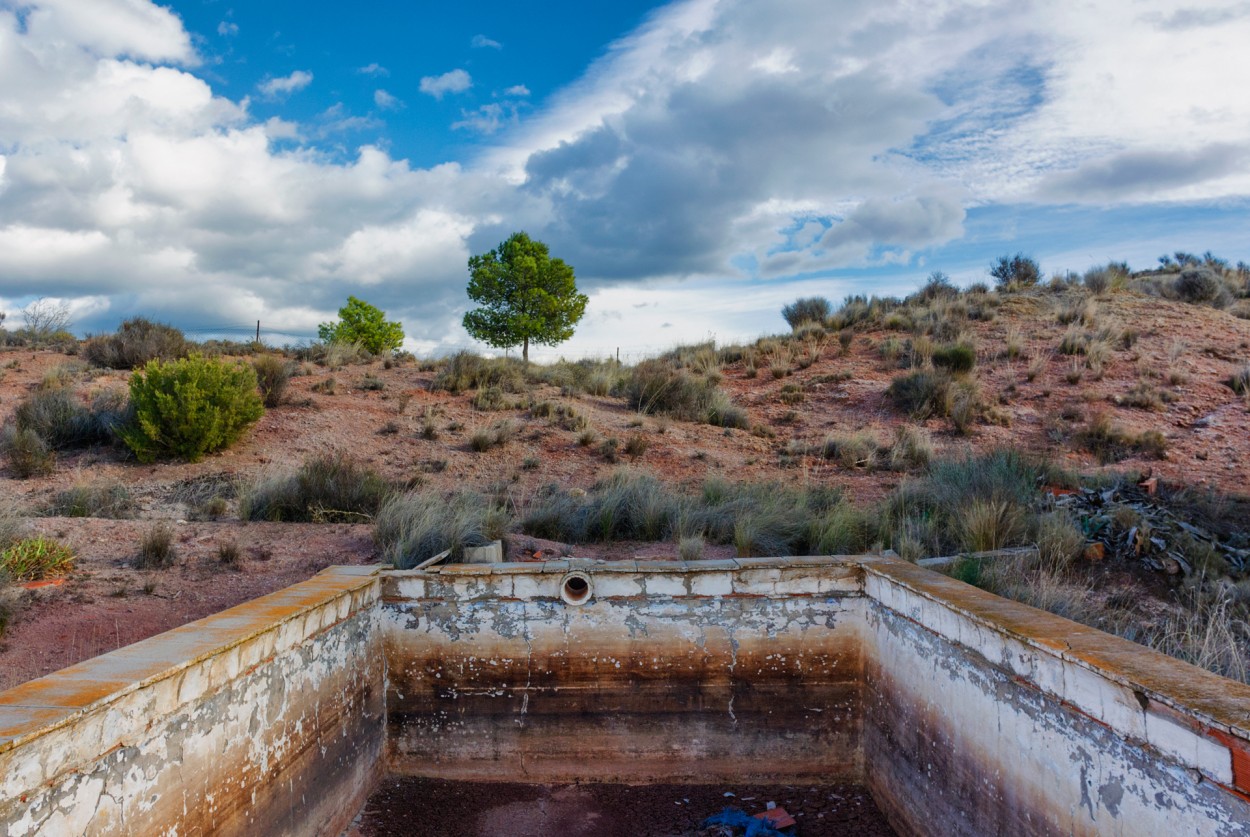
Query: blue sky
[{"x": 700, "y": 163}]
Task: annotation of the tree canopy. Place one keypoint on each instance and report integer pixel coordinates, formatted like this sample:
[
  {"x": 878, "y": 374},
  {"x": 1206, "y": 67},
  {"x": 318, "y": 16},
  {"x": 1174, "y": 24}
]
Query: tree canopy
[
  {"x": 360, "y": 322},
  {"x": 526, "y": 296}
]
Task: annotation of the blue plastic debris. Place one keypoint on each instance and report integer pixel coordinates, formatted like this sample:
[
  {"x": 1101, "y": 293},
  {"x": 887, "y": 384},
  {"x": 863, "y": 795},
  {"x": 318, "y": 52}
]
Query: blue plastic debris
[{"x": 734, "y": 818}]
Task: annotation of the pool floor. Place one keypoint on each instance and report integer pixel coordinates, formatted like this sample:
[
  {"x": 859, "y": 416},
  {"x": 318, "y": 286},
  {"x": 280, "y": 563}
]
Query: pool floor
[{"x": 435, "y": 807}]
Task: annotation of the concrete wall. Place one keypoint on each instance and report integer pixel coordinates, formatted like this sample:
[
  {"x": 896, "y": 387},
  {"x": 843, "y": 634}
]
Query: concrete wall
[
  {"x": 669, "y": 672},
  {"x": 267, "y": 718},
  {"x": 964, "y": 713},
  {"x": 984, "y": 716}
]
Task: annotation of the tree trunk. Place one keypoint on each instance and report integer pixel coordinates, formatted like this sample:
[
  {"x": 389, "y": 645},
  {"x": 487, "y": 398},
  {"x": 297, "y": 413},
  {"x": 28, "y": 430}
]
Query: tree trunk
[{"x": 525, "y": 350}]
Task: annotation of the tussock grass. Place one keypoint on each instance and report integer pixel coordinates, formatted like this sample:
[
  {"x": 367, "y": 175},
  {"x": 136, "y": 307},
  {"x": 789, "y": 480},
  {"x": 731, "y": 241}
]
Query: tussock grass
[
  {"x": 92, "y": 500},
  {"x": 328, "y": 488},
  {"x": 414, "y": 526},
  {"x": 156, "y": 548},
  {"x": 32, "y": 559}
]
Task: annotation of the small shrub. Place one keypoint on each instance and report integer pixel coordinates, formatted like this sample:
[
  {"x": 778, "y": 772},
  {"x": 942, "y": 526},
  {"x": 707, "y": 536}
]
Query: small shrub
[
  {"x": 1197, "y": 284},
  {"x": 919, "y": 394},
  {"x": 1059, "y": 540},
  {"x": 273, "y": 374},
  {"x": 229, "y": 554},
  {"x": 156, "y": 548},
  {"x": 958, "y": 358},
  {"x": 856, "y": 450},
  {"x": 497, "y": 435},
  {"x": 912, "y": 448},
  {"x": 32, "y": 559},
  {"x": 1240, "y": 381},
  {"x": 1018, "y": 271},
  {"x": 610, "y": 449},
  {"x": 60, "y": 420},
  {"x": 587, "y": 437},
  {"x": 190, "y": 407},
  {"x": 1143, "y": 397},
  {"x": 690, "y": 548},
  {"x": 657, "y": 387},
  {"x": 636, "y": 446},
  {"x": 360, "y": 322},
  {"x": 10, "y": 603},
  {"x": 815, "y": 309},
  {"x": 27, "y": 452},
  {"x": 325, "y": 387},
  {"x": 137, "y": 341},
  {"x": 371, "y": 383},
  {"x": 1111, "y": 443}
]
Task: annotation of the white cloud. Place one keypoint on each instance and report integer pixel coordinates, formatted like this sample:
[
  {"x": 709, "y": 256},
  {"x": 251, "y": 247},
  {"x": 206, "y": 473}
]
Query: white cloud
[
  {"x": 722, "y": 142},
  {"x": 227, "y": 28},
  {"x": 454, "y": 81},
  {"x": 517, "y": 90},
  {"x": 386, "y": 101},
  {"x": 374, "y": 69},
  {"x": 276, "y": 88},
  {"x": 483, "y": 42}
]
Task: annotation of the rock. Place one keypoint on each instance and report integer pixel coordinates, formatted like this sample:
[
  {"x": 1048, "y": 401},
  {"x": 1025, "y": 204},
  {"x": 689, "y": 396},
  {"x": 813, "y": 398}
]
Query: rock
[{"x": 1095, "y": 551}]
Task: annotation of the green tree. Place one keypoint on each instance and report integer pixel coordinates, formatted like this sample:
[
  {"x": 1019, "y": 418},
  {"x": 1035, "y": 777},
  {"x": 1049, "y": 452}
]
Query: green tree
[
  {"x": 360, "y": 322},
  {"x": 526, "y": 296}
]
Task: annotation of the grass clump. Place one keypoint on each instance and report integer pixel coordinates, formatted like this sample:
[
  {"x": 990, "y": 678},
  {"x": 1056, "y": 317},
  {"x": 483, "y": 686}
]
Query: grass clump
[
  {"x": 957, "y": 358},
  {"x": 465, "y": 371},
  {"x": 137, "y": 341},
  {"x": 330, "y": 488},
  {"x": 920, "y": 394},
  {"x": 92, "y": 500},
  {"x": 854, "y": 450},
  {"x": 497, "y": 435},
  {"x": 1110, "y": 442},
  {"x": 28, "y": 454},
  {"x": 32, "y": 559},
  {"x": 190, "y": 407},
  {"x": 156, "y": 548},
  {"x": 273, "y": 375},
  {"x": 415, "y": 526},
  {"x": 656, "y": 386}
]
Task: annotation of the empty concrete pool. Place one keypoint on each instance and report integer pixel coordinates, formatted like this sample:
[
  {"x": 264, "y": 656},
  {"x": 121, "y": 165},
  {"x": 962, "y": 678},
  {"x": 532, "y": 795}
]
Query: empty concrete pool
[{"x": 954, "y": 711}]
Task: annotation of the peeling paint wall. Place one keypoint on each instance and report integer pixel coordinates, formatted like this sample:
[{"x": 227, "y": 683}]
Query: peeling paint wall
[
  {"x": 983, "y": 716},
  {"x": 666, "y": 674},
  {"x": 267, "y": 718}
]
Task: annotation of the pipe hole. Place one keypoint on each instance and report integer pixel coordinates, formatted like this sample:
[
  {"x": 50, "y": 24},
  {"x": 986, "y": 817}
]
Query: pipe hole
[{"x": 576, "y": 589}]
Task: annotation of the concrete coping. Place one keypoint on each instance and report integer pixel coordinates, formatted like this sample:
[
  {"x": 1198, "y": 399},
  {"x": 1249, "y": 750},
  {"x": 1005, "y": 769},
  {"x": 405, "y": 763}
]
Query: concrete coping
[
  {"x": 634, "y": 566},
  {"x": 1221, "y": 703},
  {"x": 40, "y": 706}
]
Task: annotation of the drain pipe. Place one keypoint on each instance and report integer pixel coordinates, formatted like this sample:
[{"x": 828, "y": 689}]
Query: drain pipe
[{"x": 576, "y": 588}]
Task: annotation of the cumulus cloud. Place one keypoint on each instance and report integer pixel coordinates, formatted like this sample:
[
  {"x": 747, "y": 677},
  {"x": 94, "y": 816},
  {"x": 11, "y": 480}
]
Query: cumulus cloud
[
  {"x": 483, "y": 42},
  {"x": 386, "y": 101},
  {"x": 374, "y": 69},
  {"x": 720, "y": 144},
  {"x": 517, "y": 90},
  {"x": 282, "y": 86},
  {"x": 453, "y": 81}
]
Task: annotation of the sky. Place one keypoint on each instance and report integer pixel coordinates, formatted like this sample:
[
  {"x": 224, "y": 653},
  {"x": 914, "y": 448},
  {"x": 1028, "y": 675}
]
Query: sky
[{"x": 699, "y": 163}]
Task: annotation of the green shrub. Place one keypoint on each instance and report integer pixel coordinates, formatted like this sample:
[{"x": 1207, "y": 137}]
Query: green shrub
[
  {"x": 415, "y": 526},
  {"x": 273, "y": 374},
  {"x": 31, "y": 559},
  {"x": 655, "y": 386},
  {"x": 189, "y": 407},
  {"x": 329, "y": 488},
  {"x": 137, "y": 341},
  {"x": 958, "y": 358}
]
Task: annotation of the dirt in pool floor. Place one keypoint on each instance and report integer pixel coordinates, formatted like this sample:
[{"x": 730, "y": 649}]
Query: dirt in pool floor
[{"x": 439, "y": 808}]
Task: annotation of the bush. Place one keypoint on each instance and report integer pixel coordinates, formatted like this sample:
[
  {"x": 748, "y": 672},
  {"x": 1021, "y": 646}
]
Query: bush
[
  {"x": 31, "y": 559},
  {"x": 813, "y": 309},
  {"x": 1018, "y": 271},
  {"x": 958, "y": 358},
  {"x": 920, "y": 394},
  {"x": 360, "y": 322},
  {"x": 60, "y": 420},
  {"x": 28, "y": 454},
  {"x": 156, "y": 548},
  {"x": 189, "y": 407},
  {"x": 137, "y": 341},
  {"x": 1197, "y": 284},
  {"x": 273, "y": 374},
  {"x": 465, "y": 370},
  {"x": 329, "y": 488},
  {"x": 413, "y": 527}
]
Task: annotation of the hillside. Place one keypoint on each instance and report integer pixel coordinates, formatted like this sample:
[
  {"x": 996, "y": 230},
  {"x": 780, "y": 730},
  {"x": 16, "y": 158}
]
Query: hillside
[{"x": 1143, "y": 390}]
